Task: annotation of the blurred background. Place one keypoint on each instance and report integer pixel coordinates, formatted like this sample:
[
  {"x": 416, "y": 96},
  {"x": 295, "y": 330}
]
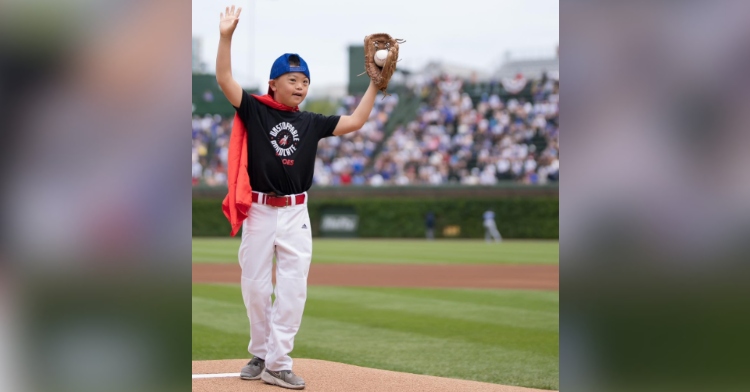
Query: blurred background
[
  {"x": 472, "y": 104},
  {"x": 94, "y": 262},
  {"x": 655, "y": 210},
  {"x": 472, "y": 112},
  {"x": 440, "y": 125}
]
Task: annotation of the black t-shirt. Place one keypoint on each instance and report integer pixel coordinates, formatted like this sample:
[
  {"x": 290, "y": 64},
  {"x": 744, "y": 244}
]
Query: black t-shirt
[{"x": 281, "y": 146}]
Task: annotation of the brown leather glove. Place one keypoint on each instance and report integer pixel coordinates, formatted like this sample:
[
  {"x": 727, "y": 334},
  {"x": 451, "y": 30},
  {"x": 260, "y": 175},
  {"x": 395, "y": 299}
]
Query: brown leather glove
[{"x": 381, "y": 75}]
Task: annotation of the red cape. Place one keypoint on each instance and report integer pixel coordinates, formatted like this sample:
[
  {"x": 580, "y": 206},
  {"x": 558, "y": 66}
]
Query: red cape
[{"x": 236, "y": 204}]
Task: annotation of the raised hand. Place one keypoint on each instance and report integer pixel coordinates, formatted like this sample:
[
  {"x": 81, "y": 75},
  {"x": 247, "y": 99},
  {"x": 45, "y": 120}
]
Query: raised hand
[{"x": 229, "y": 21}]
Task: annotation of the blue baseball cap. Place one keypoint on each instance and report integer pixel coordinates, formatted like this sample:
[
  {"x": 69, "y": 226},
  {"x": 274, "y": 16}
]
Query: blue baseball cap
[{"x": 281, "y": 66}]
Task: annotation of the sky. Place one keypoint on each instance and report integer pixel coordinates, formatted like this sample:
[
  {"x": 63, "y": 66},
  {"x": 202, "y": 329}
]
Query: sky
[{"x": 472, "y": 33}]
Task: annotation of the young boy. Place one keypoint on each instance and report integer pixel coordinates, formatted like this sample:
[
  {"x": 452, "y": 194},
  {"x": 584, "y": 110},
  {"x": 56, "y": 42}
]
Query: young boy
[{"x": 281, "y": 143}]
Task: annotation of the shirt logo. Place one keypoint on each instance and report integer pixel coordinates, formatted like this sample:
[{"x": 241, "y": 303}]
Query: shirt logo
[{"x": 284, "y": 139}]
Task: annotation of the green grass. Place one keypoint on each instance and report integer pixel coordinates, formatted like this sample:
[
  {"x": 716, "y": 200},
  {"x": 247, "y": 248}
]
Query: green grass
[
  {"x": 499, "y": 336},
  {"x": 224, "y": 250}
]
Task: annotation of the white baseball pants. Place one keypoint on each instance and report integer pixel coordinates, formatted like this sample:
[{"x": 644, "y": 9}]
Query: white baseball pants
[
  {"x": 284, "y": 232},
  {"x": 490, "y": 230}
]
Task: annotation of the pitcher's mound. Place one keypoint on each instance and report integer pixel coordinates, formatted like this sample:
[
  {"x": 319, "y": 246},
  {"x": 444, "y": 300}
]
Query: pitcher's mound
[{"x": 324, "y": 376}]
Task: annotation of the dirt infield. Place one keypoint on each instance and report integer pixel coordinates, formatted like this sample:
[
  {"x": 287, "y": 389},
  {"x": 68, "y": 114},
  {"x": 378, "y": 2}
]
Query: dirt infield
[
  {"x": 538, "y": 277},
  {"x": 336, "y": 377}
]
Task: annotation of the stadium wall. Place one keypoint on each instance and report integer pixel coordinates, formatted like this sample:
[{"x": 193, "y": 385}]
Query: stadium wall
[{"x": 399, "y": 212}]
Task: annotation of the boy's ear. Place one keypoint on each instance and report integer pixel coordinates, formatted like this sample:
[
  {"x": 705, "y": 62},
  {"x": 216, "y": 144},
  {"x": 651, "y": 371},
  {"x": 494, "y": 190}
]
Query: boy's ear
[{"x": 272, "y": 83}]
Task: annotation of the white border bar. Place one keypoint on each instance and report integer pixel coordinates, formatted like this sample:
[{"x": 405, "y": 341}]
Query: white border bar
[{"x": 216, "y": 375}]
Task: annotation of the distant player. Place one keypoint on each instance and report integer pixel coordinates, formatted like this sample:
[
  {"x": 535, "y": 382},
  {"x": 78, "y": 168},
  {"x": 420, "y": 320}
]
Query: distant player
[
  {"x": 490, "y": 229},
  {"x": 429, "y": 223},
  {"x": 278, "y": 143}
]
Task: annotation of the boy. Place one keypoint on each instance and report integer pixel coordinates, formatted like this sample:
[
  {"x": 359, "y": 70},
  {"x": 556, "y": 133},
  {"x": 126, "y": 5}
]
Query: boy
[{"x": 281, "y": 143}]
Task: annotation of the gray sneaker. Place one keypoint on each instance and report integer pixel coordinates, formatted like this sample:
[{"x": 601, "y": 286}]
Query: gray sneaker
[
  {"x": 253, "y": 369},
  {"x": 283, "y": 378}
]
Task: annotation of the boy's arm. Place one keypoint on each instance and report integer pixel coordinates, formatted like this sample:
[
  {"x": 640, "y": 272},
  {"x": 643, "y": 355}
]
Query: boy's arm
[
  {"x": 358, "y": 119},
  {"x": 231, "y": 89}
]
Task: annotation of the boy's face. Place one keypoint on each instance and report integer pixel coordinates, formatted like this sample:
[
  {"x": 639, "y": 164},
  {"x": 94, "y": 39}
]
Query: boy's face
[{"x": 290, "y": 88}]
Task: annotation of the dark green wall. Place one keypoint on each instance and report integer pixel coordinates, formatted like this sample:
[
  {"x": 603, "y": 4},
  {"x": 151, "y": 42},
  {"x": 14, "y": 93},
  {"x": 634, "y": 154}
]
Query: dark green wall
[
  {"x": 357, "y": 84},
  {"x": 218, "y": 104},
  {"x": 516, "y": 217}
]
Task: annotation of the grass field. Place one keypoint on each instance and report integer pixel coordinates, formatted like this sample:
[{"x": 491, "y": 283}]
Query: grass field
[
  {"x": 499, "y": 336},
  {"x": 224, "y": 250}
]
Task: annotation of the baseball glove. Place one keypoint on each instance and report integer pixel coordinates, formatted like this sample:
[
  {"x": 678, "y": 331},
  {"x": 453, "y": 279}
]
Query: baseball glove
[{"x": 381, "y": 75}]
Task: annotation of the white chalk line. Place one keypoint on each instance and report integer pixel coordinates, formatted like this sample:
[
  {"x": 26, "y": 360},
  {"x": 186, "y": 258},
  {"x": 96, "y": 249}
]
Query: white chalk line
[{"x": 215, "y": 375}]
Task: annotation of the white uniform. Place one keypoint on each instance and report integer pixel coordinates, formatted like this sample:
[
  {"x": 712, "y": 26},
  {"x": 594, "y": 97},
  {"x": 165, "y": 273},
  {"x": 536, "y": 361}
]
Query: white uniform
[
  {"x": 490, "y": 229},
  {"x": 283, "y": 232}
]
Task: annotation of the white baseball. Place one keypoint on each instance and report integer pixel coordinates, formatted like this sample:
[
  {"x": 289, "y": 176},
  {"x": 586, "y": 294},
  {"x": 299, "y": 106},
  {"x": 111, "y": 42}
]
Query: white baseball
[{"x": 380, "y": 57}]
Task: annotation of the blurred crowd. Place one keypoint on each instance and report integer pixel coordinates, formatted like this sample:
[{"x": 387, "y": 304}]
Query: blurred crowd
[
  {"x": 343, "y": 160},
  {"x": 456, "y": 138},
  {"x": 210, "y": 149},
  {"x": 475, "y": 141}
]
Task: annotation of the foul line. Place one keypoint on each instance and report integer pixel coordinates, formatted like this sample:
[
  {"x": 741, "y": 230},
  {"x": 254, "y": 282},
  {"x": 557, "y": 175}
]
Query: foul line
[{"x": 217, "y": 375}]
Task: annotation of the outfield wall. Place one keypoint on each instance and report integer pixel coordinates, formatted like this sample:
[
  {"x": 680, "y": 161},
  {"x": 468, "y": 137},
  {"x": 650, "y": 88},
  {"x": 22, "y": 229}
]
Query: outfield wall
[{"x": 399, "y": 212}]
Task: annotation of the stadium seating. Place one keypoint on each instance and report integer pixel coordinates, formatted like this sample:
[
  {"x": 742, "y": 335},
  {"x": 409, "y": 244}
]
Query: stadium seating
[{"x": 441, "y": 132}]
